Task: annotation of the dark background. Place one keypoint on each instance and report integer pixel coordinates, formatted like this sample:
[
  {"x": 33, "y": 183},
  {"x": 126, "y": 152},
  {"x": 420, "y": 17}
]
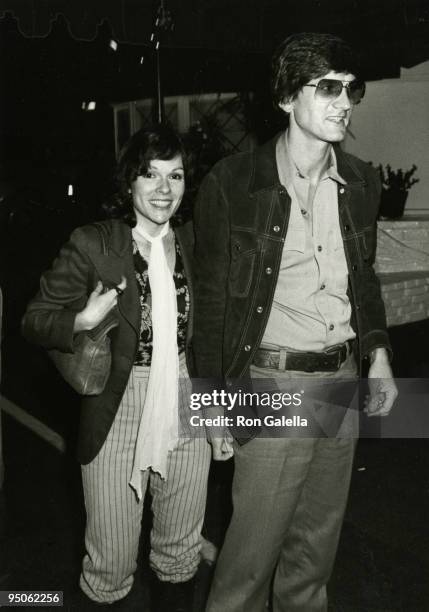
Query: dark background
[{"x": 54, "y": 55}]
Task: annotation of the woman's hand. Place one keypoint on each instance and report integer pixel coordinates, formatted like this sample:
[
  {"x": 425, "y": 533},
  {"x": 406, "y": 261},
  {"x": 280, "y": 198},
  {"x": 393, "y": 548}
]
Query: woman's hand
[{"x": 99, "y": 304}]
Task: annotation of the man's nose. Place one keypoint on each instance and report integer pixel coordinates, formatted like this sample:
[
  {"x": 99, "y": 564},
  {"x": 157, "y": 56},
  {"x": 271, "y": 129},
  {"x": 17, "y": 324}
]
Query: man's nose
[{"x": 343, "y": 100}]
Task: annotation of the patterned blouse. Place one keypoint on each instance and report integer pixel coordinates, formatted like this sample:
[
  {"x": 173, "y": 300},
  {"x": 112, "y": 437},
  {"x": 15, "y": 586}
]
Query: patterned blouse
[{"x": 144, "y": 350}]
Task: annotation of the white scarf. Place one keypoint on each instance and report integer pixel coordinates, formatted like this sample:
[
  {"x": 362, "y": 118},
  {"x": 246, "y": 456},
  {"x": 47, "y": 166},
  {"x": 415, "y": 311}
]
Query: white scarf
[{"x": 158, "y": 429}]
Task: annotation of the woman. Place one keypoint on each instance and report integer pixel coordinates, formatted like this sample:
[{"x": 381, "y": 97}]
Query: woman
[{"x": 128, "y": 435}]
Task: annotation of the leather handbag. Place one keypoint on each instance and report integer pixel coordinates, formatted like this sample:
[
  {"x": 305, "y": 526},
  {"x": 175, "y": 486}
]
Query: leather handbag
[{"x": 87, "y": 369}]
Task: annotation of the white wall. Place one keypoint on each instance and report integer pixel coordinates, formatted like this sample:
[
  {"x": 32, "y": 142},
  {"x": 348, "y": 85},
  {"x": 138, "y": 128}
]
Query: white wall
[{"x": 391, "y": 125}]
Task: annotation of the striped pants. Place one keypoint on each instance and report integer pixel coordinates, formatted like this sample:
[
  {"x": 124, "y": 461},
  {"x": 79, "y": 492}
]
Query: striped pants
[{"x": 114, "y": 514}]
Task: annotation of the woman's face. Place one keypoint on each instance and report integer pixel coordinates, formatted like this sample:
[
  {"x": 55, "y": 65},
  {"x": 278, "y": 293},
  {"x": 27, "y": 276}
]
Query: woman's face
[{"x": 157, "y": 193}]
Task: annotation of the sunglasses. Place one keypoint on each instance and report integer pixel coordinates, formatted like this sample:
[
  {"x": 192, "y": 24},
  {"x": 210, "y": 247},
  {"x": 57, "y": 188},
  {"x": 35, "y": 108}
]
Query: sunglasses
[{"x": 330, "y": 89}]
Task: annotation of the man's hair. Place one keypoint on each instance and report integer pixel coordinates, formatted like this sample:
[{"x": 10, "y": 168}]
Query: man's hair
[{"x": 305, "y": 56}]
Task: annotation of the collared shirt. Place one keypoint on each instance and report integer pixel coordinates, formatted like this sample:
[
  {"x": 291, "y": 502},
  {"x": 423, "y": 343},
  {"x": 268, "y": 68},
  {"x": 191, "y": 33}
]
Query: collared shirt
[{"x": 311, "y": 310}]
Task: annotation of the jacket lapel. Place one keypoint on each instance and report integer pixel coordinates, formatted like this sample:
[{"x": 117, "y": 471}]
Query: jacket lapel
[{"x": 117, "y": 263}]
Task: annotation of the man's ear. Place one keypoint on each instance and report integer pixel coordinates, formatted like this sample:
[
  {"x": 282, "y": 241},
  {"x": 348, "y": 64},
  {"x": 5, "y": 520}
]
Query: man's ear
[{"x": 286, "y": 105}]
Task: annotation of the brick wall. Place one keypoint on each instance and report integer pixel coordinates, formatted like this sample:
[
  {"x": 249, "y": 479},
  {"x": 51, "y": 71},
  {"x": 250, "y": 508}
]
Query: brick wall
[{"x": 403, "y": 268}]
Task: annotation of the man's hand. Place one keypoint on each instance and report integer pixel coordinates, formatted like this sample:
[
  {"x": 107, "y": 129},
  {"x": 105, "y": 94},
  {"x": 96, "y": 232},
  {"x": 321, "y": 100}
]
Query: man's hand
[
  {"x": 382, "y": 387},
  {"x": 219, "y": 437},
  {"x": 222, "y": 448}
]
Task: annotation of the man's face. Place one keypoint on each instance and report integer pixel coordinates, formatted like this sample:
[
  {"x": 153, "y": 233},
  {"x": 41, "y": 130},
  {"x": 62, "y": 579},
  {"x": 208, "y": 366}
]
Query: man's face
[{"x": 318, "y": 118}]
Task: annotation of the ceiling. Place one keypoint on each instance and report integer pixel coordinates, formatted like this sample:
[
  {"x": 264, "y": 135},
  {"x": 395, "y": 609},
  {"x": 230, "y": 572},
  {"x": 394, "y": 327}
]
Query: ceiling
[
  {"x": 57, "y": 54},
  {"x": 395, "y": 31}
]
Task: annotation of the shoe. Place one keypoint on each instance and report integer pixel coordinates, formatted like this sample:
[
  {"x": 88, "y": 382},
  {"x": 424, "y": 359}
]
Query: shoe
[
  {"x": 82, "y": 603},
  {"x": 172, "y": 596}
]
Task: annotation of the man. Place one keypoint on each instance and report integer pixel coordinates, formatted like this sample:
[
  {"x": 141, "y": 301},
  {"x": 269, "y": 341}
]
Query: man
[{"x": 285, "y": 289}]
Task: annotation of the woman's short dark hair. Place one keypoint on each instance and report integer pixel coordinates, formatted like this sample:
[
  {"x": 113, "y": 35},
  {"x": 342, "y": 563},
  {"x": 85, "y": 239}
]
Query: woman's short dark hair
[
  {"x": 305, "y": 56},
  {"x": 154, "y": 142}
]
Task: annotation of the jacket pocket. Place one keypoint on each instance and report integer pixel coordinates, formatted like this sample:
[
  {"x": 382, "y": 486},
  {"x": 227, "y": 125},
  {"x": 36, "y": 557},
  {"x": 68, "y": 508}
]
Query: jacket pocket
[
  {"x": 243, "y": 259},
  {"x": 367, "y": 245}
]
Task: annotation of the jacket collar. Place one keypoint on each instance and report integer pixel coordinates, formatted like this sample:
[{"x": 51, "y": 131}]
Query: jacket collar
[
  {"x": 265, "y": 174},
  {"x": 347, "y": 168},
  {"x": 118, "y": 262}
]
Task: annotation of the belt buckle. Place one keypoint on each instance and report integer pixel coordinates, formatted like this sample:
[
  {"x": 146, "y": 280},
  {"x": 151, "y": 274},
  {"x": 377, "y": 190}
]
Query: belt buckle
[
  {"x": 338, "y": 352},
  {"x": 340, "y": 357},
  {"x": 343, "y": 352}
]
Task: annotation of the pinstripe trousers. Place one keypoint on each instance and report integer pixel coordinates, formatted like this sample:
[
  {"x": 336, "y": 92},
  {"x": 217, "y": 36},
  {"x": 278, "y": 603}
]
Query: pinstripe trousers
[{"x": 114, "y": 513}]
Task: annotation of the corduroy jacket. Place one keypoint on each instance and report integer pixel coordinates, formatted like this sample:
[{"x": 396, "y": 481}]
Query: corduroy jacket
[
  {"x": 64, "y": 291},
  {"x": 241, "y": 221}
]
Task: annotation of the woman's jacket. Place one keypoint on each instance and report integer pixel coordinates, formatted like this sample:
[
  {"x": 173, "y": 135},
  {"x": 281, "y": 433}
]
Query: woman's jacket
[{"x": 64, "y": 291}]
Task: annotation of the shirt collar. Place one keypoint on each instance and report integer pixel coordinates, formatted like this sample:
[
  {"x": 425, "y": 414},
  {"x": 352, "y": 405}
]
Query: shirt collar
[
  {"x": 332, "y": 169},
  {"x": 288, "y": 170}
]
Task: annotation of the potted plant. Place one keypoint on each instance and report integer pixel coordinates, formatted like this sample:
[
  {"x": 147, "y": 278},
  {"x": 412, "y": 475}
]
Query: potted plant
[{"x": 396, "y": 184}]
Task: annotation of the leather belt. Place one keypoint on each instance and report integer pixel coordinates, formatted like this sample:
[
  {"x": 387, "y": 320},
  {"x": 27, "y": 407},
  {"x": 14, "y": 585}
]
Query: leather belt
[{"x": 328, "y": 361}]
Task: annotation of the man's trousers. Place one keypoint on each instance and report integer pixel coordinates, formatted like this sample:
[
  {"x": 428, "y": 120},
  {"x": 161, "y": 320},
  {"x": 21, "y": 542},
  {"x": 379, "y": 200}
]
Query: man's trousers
[{"x": 289, "y": 498}]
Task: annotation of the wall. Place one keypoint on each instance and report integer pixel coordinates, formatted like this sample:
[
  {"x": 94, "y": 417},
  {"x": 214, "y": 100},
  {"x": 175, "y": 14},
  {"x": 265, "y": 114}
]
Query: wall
[
  {"x": 402, "y": 266},
  {"x": 391, "y": 125}
]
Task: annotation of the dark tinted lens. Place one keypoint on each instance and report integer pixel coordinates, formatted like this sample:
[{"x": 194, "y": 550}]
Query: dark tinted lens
[
  {"x": 356, "y": 91},
  {"x": 332, "y": 88},
  {"x": 329, "y": 88}
]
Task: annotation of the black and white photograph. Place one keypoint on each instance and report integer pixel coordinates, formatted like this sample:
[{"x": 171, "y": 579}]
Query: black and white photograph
[{"x": 214, "y": 305}]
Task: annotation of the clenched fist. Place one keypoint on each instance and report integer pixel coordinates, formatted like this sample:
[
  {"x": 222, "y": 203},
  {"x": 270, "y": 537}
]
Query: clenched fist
[{"x": 99, "y": 304}]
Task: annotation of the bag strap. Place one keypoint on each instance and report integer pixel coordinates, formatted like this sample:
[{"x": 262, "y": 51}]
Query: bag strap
[
  {"x": 102, "y": 232},
  {"x": 110, "y": 321}
]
